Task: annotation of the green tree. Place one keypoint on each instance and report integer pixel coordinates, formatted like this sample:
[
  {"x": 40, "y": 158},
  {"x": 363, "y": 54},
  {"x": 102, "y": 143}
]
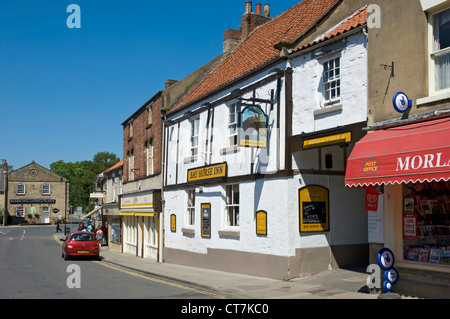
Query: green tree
[{"x": 82, "y": 174}]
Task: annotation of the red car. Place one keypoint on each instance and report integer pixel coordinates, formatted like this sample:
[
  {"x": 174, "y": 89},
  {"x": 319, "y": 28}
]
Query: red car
[{"x": 81, "y": 243}]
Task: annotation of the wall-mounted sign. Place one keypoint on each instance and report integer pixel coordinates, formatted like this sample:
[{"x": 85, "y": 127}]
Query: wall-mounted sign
[
  {"x": 327, "y": 140},
  {"x": 261, "y": 222},
  {"x": 205, "y": 173},
  {"x": 32, "y": 201},
  {"x": 314, "y": 209},
  {"x": 253, "y": 127},
  {"x": 173, "y": 223},
  {"x": 401, "y": 102},
  {"x": 371, "y": 199},
  {"x": 206, "y": 220}
]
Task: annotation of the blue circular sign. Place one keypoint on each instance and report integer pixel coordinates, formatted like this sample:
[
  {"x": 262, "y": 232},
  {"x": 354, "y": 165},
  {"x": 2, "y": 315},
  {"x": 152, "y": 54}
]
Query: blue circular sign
[
  {"x": 401, "y": 102},
  {"x": 387, "y": 285},
  {"x": 385, "y": 258},
  {"x": 391, "y": 275}
]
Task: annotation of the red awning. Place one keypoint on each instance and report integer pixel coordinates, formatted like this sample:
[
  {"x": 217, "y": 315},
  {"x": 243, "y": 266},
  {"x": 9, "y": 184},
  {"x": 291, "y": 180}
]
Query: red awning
[{"x": 411, "y": 153}]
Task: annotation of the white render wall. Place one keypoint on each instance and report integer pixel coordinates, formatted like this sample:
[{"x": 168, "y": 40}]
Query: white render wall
[
  {"x": 307, "y": 88},
  {"x": 277, "y": 196}
]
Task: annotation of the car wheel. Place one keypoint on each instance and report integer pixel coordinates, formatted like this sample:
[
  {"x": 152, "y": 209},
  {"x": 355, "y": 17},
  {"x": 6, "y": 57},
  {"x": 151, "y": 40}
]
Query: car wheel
[{"x": 66, "y": 257}]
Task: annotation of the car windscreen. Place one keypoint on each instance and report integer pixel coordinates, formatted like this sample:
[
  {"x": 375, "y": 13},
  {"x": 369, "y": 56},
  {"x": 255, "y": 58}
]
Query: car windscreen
[{"x": 82, "y": 237}]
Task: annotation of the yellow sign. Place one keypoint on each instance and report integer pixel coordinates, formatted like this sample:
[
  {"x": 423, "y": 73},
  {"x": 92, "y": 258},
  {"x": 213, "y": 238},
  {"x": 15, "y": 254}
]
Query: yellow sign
[
  {"x": 207, "y": 172},
  {"x": 328, "y": 140},
  {"x": 173, "y": 222},
  {"x": 314, "y": 209},
  {"x": 261, "y": 222},
  {"x": 261, "y": 144}
]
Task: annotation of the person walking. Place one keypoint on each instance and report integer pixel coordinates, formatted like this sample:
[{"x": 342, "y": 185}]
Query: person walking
[{"x": 58, "y": 221}]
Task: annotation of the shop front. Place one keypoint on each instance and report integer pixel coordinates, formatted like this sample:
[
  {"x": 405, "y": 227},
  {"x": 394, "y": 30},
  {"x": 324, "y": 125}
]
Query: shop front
[
  {"x": 140, "y": 214},
  {"x": 409, "y": 166}
]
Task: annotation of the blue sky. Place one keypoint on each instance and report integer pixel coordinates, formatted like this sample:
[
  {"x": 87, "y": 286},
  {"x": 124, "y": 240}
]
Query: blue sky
[{"x": 65, "y": 92}]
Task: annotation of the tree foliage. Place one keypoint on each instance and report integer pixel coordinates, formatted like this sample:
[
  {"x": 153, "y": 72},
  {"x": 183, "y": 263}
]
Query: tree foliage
[{"x": 82, "y": 175}]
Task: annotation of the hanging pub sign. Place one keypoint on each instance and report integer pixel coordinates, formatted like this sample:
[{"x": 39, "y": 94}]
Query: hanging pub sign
[
  {"x": 253, "y": 127},
  {"x": 206, "y": 220},
  {"x": 314, "y": 209}
]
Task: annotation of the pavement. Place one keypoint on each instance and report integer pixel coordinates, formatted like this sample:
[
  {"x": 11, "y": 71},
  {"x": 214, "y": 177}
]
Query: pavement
[{"x": 335, "y": 284}]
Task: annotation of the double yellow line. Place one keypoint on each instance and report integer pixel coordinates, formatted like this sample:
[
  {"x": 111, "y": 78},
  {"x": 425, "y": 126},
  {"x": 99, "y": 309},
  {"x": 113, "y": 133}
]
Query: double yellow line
[{"x": 154, "y": 279}]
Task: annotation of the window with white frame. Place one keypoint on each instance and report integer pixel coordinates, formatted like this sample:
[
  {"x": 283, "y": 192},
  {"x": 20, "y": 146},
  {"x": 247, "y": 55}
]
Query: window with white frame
[
  {"x": 20, "y": 211},
  {"x": 149, "y": 157},
  {"x": 45, "y": 189},
  {"x": 45, "y": 209},
  {"x": 332, "y": 81},
  {"x": 131, "y": 166},
  {"x": 195, "y": 122},
  {"x": 440, "y": 51},
  {"x": 232, "y": 205},
  {"x": 190, "y": 218},
  {"x": 150, "y": 115},
  {"x": 130, "y": 130},
  {"x": 234, "y": 109},
  {"x": 20, "y": 189}
]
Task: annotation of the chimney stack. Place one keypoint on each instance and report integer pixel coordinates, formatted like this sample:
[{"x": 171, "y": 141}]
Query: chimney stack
[{"x": 251, "y": 20}]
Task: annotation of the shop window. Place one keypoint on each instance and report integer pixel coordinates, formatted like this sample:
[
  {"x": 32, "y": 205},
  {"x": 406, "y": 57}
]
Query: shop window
[
  {"x": 232, "y": 205},
  {"x": 191, "y": 207},
  {"x": 426, "y": 223},
  {"x": 331, "y": 79},
  {"x": 45, "y": 189},
  {"x": 116, "y": 230},
  {"x": 20, "y": 189},
  {"x": 440, "y": 51}
]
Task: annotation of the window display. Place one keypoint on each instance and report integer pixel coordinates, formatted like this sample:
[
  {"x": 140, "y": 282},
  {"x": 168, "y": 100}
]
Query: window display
[
  {"x": 116, "y": 230},
  {"x": 426, "y": 222}
]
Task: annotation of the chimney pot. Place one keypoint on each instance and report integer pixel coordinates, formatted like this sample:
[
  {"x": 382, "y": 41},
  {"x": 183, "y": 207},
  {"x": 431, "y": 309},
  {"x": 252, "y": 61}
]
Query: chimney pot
[
  {"x": 267, "y": 10},
  {"x": 258, "y": 8},
  {"x": 248, "y": 7}
]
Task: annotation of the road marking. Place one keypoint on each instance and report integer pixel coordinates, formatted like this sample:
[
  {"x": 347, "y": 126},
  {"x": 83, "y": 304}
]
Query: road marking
[
  {"x": 162, "y": 281},
  {"x": 23, "y": 234},
  {"x": 143, "y": 276}
]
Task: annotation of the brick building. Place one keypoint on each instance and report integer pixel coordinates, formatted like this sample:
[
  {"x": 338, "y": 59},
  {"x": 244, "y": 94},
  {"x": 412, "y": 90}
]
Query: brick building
[{"x": 140, "y": 201}]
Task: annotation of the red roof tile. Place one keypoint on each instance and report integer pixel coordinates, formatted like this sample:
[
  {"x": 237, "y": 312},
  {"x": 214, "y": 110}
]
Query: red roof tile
[
  {"x": 358, "y": 19},
  {"x": 118, "y": 164},
  {"x": 259, "y": 48}
]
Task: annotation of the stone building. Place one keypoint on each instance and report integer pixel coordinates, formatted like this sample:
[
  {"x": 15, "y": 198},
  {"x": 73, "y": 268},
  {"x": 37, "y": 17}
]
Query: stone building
[{"x": 37, "y": 195}]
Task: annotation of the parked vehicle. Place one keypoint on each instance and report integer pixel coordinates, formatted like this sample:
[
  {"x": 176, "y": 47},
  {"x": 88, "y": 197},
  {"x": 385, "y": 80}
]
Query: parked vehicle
[{"x": 81, "y": 243}]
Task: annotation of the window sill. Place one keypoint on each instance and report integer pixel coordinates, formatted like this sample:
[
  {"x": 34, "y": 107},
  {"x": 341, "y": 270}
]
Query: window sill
[
  {"x": 188, "y": 230},
  {"x": 229, "y": 150},
  {"x": 234, "y": 233},
  {"x": 438, "y": 97},
  {"x": 190, "y": 159},
  {"x": 328, "y": 109}
]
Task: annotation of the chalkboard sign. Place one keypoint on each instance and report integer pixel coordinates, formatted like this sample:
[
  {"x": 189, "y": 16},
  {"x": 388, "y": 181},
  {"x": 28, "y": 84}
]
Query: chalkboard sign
[
  {"x": 206, "y": 220},
  {"x": 313, "y": 209},
  {"x": 314, "y": 212}
]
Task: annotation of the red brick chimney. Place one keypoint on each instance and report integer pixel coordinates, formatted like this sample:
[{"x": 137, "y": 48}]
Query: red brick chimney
[{"x": 251, "y": 20}]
